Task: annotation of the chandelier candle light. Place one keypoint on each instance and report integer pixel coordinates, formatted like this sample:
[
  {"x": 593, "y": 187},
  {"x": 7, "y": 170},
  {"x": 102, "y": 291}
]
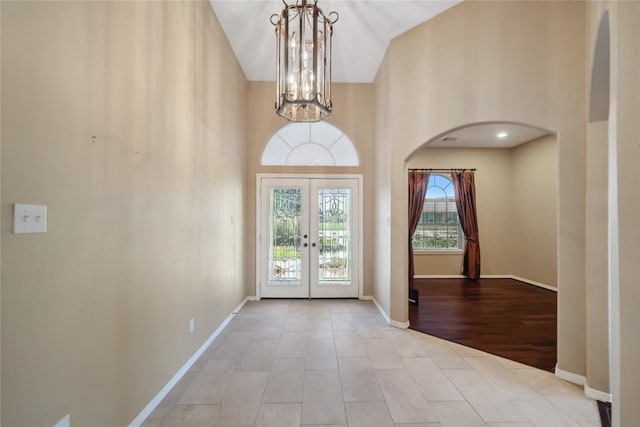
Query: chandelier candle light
[{"x": 303, "y": 67}]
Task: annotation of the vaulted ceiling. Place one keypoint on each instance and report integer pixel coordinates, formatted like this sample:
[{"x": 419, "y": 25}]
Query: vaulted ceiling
[{"x": 360, "y": 37}]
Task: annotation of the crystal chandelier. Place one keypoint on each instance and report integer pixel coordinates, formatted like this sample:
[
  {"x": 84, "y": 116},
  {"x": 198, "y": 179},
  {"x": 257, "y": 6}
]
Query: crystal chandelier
[{"x": 303, "y": 68}]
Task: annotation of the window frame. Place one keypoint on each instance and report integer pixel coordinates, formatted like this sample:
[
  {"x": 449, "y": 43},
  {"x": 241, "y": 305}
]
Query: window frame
[{"x": 461, "y": 236}]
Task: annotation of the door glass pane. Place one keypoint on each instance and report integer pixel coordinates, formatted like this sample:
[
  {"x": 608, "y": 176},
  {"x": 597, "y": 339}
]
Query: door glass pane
[
  {"x": 334, "y": 237},
  {"x": 285, "y": 252}
]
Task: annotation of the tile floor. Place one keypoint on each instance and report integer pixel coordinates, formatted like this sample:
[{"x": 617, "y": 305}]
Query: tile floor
[{"x": 337, "y": 363}]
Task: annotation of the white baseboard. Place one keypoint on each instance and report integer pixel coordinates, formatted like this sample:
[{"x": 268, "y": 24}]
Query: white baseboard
[
  {"x": 487, "y": 276},
  {"x": 366, "y": 298},
  {"x": 174, "y": 380},
  {"x": 596, "y": 394},
  {"x": 381, "y": 310},
  {"x": 65, "y": 422},
  {"x": 438, "y": 276},
  {"x": 581, "y": 380},
  {"x": 399, "y": 325},
  {"x": 394, "y": 323},
  {"x": 252, "y": 298},
  {"x": 534, "y": 283},
  {"x": 570, "y": 376}
]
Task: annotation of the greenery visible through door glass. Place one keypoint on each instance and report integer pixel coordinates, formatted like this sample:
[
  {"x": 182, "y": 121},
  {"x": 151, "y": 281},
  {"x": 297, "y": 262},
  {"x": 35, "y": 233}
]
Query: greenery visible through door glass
[
  {"x": 285, "y": 206},
  {"x": 334, "y": 235}
]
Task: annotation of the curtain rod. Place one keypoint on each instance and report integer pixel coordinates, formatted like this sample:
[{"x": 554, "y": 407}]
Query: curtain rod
[{"x": 443, "y": 170}]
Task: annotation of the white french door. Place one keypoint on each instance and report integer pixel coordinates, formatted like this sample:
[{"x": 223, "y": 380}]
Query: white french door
[{"x": 308, "y": 237}]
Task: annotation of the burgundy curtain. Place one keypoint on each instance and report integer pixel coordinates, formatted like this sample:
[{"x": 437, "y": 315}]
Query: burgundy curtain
[
  {"x": 465, "y": 189},
  {"x": 418, "y": 182}
]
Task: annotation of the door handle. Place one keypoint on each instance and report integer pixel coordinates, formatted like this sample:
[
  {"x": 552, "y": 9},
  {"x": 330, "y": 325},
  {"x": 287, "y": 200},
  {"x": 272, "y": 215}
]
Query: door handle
[
  {"x": 305, "y": 245},
  {"x": 313, "y": 245}
]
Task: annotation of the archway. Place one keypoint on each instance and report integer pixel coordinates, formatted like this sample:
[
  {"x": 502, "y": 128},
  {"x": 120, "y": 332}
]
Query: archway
[
  {"x": 516, "y": 187},
  {"x": 601, "y": 194}
]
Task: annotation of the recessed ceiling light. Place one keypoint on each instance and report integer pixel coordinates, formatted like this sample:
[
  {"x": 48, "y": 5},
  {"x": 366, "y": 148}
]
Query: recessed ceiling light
[{"x": 502, "y": 135}]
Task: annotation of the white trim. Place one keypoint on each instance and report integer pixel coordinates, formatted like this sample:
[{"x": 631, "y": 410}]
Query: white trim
[
  {"x": 142, "y": 416},
  {"x": 358, "y": 177},
  {"x": 366, "y": 298},
  {"x": 534, "y": 283},
  {"x": 65, "y": 422},
  {"x": 310, "y": 175},
  {"x": 381, "y": 310},
  {"x": 229, "y": 317},
  {"x": 361, "y": 236},
  {"x": 399, "y": 325},
  {"x": 318, "y": 134},
  {"x": 581, "y": 380},
  {"x": 258, "y": 233},
  {"x": 438, "y": 276},
  {"x": 438, "y": 251},
  {"x": 596, "y": 394},
  {"x": 390, "y": 322},
  {"x": 487, "y": 276},
  {"x": 570, "y": 376}
]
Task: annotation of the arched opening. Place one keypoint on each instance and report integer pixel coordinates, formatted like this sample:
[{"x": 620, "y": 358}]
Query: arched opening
[
  {"x": 308, "y": 223},
  {"x": 600, "y": 189},
  {"x": 309, "y": 144},
  {"x": 516, "y": 179}
]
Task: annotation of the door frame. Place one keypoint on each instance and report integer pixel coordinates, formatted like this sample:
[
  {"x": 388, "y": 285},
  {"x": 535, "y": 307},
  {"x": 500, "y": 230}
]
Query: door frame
[{"x": 259, "y": 213}]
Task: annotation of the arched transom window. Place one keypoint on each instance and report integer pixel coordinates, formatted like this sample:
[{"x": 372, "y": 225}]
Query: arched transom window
[{"x": 309, "y": 144}]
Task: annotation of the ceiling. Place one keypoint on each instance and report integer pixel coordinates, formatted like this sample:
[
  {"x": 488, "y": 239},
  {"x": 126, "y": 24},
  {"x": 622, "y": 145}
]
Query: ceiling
[
  {"x": 484, "y": 135},
  {"x": 360, "y": 37}
]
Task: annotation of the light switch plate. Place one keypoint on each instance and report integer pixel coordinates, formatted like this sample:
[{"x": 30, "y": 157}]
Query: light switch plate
[{"x": 29, "y": 219}]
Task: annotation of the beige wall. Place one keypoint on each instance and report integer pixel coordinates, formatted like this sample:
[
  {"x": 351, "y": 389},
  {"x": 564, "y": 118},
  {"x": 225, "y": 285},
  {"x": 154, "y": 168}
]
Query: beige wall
[
  {"x": 628, "y": 159},
  {"x": 127, "y": 119},
  {"x": 597, "y": 258},
  {"x": 597, "y": 224},
  {"x": 613, "y": 155},
  {"x": 624, "y": 204},
  {"x": 534, "y": 180},
  {"x": 122, "y": 210},
  {"x": 0, "y": 217},
  {"x": 493, "y": 205},
  {"x": 516, "y": 205},
  {"x": 353, "y": 114},
  {"x": 382, "y": 193},
  {"x": 491, "y": 61}
]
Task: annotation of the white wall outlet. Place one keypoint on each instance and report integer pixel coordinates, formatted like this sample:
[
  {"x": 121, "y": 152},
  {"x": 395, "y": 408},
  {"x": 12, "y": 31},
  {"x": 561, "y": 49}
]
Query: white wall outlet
[
  {"x": 192, "y": 325},
  {"x": 29, "y": 219}
]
